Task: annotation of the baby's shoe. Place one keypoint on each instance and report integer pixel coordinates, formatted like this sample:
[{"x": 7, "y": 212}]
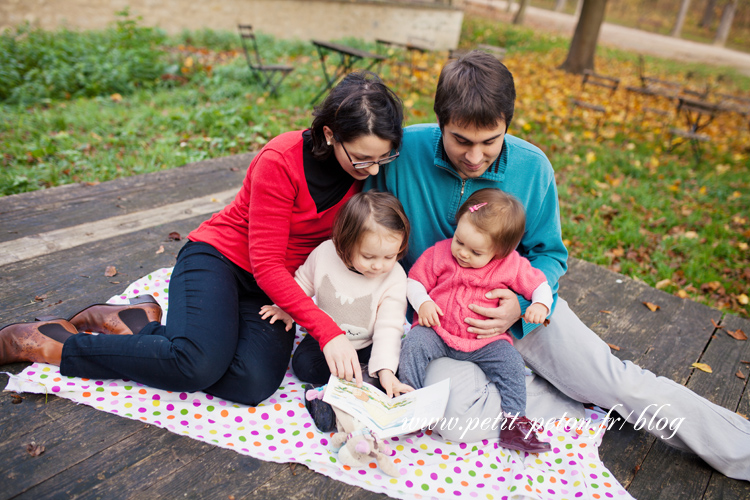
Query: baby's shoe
[
  {"x": 519, "y": 434},
  {"x": 320, "y": 411}
]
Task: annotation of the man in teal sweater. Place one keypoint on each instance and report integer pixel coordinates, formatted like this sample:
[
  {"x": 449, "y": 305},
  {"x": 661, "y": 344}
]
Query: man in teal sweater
[{"x": 439, "y": 167}]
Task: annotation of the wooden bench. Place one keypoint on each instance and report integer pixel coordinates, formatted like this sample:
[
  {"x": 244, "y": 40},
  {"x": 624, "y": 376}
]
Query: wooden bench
[
  {"x": 90, "y": 453},
  {"x": 697, "y": 115},
  {"x": 348, "y": 57}
]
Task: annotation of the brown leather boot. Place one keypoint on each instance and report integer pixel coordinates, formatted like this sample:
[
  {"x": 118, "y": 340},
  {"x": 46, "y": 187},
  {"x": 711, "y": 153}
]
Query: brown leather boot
[
  {"x": 519, "y": 434},
  {"x": 125, "y": 319},
  {"x": 39, "y": 342}
]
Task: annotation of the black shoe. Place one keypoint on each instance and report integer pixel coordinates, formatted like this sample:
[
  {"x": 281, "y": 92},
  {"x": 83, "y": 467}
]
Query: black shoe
[{"x": 320, "y": 411}]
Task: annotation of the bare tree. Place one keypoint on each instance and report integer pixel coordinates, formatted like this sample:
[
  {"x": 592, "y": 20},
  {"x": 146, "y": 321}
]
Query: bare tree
[
  {"x": 725, "y": 25},
  {"x": 708, "y": 14},
  {"x": 583, "y": 45},
  {"x": 677, "y": 30},
  {"x": 521, "y": 12}
]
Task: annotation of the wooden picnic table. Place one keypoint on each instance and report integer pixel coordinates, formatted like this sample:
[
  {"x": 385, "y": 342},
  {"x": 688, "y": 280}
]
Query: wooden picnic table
[{"x": 72, "y": 233}]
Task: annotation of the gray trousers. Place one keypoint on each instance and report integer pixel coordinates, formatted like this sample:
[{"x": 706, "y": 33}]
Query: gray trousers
[
  {"x": 499, "y": 361},
  {"x": 577, "y": 362}
]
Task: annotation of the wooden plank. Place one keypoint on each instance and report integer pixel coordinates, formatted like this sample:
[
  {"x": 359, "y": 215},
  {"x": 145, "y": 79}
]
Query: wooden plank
[
  {"x": 131, "y": 465},
  {"x": 220, "y": 473},
  {"x": 668, "y": 473},
  {"x": 28, "y": 214},
  {"x": 73, "y": 279},
  {"x": 28, "y": 247},
  {"x": 303, "y": 483},
  {"x": 720, "y": 486},
  {"x": 71, "y": 439}
]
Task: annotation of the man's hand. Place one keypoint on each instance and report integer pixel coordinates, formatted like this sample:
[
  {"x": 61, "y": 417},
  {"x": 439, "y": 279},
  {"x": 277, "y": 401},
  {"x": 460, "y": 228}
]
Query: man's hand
[
  {"x": 276, "y": 313},
  {"x": 342, "y": 359},
  {"x": 392, "y": 386},
  {"x": 429, "y": 314},
  {"x": 501, "y": 318},
  {"x": 536, "y": 313}
]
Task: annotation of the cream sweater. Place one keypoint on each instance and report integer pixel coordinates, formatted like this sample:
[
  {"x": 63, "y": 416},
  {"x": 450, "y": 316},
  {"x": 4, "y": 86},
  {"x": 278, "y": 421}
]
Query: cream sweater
[{"x": 369, "y": 310}]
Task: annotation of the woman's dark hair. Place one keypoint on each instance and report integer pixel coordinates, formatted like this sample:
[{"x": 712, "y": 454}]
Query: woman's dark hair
[
  {"x": 477, "y": 90},
  {"x": 361, "y": 104},
  {"x": 363, "y": 213}
]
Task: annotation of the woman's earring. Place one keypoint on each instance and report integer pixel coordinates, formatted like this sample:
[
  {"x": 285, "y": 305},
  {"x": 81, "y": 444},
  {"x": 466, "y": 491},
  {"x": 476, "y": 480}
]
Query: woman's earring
[{"x": 328, "y": 142}]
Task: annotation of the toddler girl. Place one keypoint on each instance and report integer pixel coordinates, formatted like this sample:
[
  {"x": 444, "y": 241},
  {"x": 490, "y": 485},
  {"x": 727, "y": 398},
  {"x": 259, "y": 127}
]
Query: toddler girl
[
  {"x": 357, "y": 280},
  {"x": 457, "y": 272}
]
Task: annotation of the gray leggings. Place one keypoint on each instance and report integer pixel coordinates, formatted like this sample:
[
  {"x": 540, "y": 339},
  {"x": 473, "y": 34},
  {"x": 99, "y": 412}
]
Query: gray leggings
[{"x": 499, "y": 360}]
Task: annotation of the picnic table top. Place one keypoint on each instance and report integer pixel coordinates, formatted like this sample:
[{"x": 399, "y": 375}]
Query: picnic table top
[{"x": 57, "y": 243}]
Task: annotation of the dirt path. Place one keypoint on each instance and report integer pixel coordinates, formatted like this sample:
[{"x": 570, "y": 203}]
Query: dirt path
[{"x": 624, "y": 38}]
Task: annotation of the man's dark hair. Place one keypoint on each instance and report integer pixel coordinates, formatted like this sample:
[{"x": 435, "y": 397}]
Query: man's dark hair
[
  {"x": 361, "y": 104},
  {"x": 477, "y": 90}
]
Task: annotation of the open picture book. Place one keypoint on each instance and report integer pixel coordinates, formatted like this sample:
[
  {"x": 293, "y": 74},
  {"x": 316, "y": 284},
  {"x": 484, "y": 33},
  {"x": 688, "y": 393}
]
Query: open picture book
[{"x": 387, "y": 417}]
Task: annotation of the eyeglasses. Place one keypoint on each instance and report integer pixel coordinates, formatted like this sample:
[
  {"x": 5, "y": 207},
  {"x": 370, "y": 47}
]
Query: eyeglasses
[{"x": 359, "y": 165}]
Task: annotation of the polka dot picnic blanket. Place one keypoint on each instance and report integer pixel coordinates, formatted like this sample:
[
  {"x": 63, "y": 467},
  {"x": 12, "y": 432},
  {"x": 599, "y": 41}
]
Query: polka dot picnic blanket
[{"x": 281, "y": 430}]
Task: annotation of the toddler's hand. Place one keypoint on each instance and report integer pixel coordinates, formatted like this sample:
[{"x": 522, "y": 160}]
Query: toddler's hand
[
  {"x": 276, "y": 313},
  {"x": 536, "y": 313},
  {"x": 392, "y": 386},
  {"x": 429, "y": 314}
]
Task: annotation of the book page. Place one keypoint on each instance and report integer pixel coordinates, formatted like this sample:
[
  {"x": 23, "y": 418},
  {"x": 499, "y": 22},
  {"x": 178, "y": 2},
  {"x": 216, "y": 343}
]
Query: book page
[{"x": 385, "y": 416}]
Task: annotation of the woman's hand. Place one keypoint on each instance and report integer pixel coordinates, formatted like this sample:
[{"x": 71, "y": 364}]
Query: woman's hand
[
  {"x": 392, "y": 386},
  {"x": 276, "y": 313},
  {"x": 342, "y": 359},
  {"x": 429, "y": 314},
  {"x": 501, "y": 318}
]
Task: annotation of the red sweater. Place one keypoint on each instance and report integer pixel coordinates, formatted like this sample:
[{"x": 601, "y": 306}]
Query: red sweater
[{"x": 272, "y": 226}]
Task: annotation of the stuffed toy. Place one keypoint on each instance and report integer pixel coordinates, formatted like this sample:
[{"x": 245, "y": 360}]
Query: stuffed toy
[{"x": 356, "y": 444}]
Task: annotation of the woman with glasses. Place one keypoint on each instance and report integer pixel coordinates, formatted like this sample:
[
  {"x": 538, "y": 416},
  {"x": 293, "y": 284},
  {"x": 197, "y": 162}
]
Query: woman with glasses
[{"x": 242, "y": 258}]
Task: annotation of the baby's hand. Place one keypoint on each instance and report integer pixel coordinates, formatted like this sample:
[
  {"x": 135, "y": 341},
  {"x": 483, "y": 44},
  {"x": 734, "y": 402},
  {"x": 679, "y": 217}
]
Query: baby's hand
[
  {"x": 276, "y": 313},
  {"x": 429, "y": 314},
  {"x": 392, "y": 386},
  {"x": 536, "y": 313}
]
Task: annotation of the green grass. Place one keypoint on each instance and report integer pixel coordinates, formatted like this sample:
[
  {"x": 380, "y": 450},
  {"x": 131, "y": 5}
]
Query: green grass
[{"x": 626, "y": 203}]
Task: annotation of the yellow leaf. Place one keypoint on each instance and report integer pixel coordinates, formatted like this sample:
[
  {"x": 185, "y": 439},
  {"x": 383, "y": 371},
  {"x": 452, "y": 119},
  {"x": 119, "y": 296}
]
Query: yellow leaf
[
  {"x": 663, "y": 284},
  {"x": 742, "y": 299},
  {"x": 702, "y": 367},
  {"x": 653, "y": 162},
  {"x": 189, "y": 62},
  {"x": 590, "y": 157},
  {"x": 682, "y": 294},
  {"x": 736, "y": 194},
  {"x": 702, "y": 190},
  {"x": 408, "y": 103},
  {"x": 652, "y": 307},
  {"x": 691, "y": 235},
  {"x": 116, "y": 97}
]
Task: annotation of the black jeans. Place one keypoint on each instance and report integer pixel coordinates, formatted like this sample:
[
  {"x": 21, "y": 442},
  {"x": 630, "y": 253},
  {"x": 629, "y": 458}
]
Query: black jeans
[
  {"x": 214, "y": 340},
  {"x": 309, "y": 362}
]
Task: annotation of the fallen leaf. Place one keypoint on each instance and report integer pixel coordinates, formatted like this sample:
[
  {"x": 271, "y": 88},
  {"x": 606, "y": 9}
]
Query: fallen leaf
[
  {"x": 743, "y": 299},
  {"x": 110, "y": 271},
  {"x": 546, "y": 322},
  {"x": 16, "y": 399},
  {"x": 702, "y": 367},
  {"x": 161, "y": 249},
  {"x": 740, "y": 375},
  {"x": 34, "y": 449},
  {"x": 40, "y": 298},
  {"x": 682, "y": 294},
  {"x": 612, "y": 346},
  {"x": 746, "y": 362},
  {"x": 292, "y": 467},
  {"x": 652, "y": 307},
  {"x": 174, "y": 236},
  {"x": 605, "y": 311},
  {"x": 718, "y": 327},
  {"x": 737, "y": 334},
  {"x": 663, "y": 284},
  {"x": 116, "y": 97},
  {"x": 214, "y": 200}
]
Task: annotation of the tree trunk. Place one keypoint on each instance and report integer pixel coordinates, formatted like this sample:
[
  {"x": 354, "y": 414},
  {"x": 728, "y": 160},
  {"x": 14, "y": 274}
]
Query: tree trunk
[
  {"x": 560, "y": 5},
  {"x": 509, "y": 5},
  {"x": 677, "y": 30},
  {"x": 521, "y": 13},
  {"x": 583, "y": 45},
  {"x": 579, "y": 6},
  {"x": 725, "y": 25},
  {"x": 708, "y": 14}
]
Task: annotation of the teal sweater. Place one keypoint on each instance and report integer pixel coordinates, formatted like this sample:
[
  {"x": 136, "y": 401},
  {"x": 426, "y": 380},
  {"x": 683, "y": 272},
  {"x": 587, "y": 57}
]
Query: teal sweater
[{"x": 431, "y": 191}]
